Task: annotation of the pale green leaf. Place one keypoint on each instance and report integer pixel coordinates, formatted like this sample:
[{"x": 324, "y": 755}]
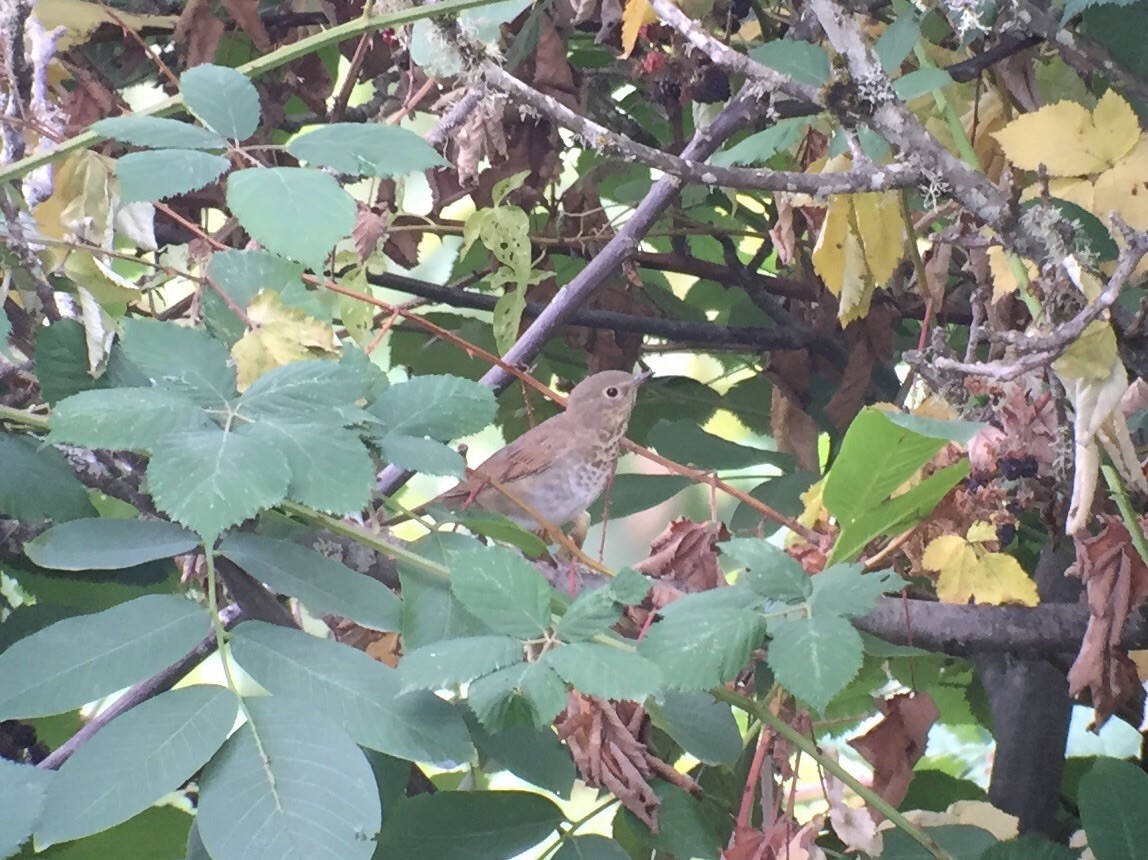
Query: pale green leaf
[
  {"x": 242, "y": 274},
  {"x": 288, "y": 784},
  {"x": 698, "y": 647},
  {"x": 309, "y": 391},
  {"x": 357, "y": 692},
  {"x": 700, "y": 724},
  {"x": 366, "y": 149},
  {"x": 36, "y": 483},
  {"x": 503, "y": 590},
  {"x": 534, "y": 686},
  {"x": 210, "y": 480},
  {"x": 173, "y": 356},
  {"x": 158, "y": 132},
  {"x": 804, "y": 62},
  {"x": 440, "y": 407},
  {"x": 125, "y": 419},
  {"x": 420, "y": 454},
  {"x": 162, "y": 173},
  {"x": 22, "y": 791},
  {"x": 108, "y": 544},
  {"x": 603, "y": 671},
  {"x": 1112, "y": 797},
  {"x": 846, "y": 590},
  {"x": 77, "y": 660},
  {"x": 297, "y": 212},
  {"x": 921, "y": 81},
  {"x": 324, "y": 585},
  {"x": 591, "y": 847},
  {"x": 762, "y": 146},
  {"x": 136, "y": 759},
  {"x": 898, "y": 40},
  {"x": 814, "y": 658},
  {"x": 222, "y": 98},
  {"x": 446, "y": 664},
  {"x": 591, "y": 613},
  {"x": 770, "y": 572}
]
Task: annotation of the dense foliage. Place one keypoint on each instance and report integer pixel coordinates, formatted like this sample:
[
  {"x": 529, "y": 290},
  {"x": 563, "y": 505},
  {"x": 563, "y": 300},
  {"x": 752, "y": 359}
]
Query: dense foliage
[{"x": 261, "y": 264}]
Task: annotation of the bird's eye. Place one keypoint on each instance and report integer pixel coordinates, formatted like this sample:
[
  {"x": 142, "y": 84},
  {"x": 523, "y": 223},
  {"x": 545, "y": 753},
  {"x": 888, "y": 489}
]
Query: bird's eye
[{"x": 611, "y": 391}]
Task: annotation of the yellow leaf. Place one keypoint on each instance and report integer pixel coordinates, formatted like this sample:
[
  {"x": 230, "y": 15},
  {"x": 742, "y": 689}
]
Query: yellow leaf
[
  {"x": 278, "y": 336},
  {"x": 80, "y": 205},
  {"x": 946, "y": 551},
  {"x": 878, "y": 219},
  {"x": 1071, "y": 188},
  {"x": 855, "y": 291},
  {"x": 981, "y": 531},
  {"x": 79, "y": 19},
  {"x": 1002, "y": 580},
  {"x": 1069, "y": 140},
  {"x": 957, "y": 563},
  {"x": 1090, "y": 356},
  {"x": 1004, "y": 281},
  {"x": 636, "y": 15},
  {"x": 1124, "y": 189}
]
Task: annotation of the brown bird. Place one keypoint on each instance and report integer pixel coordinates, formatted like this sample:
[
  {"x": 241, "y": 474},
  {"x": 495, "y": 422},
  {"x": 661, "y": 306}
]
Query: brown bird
[{"x": 560, "y": 467}]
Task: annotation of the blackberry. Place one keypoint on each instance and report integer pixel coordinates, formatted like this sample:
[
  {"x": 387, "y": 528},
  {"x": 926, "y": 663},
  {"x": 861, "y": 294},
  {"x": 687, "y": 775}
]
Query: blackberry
[
  {"x": 712, "y": 85},
  {"x": 668, "y": 91},
  {"x": 1028, "y": 467},
  {"x": 1010, "y": 468},
  {"x": 1006, "y": 533}
]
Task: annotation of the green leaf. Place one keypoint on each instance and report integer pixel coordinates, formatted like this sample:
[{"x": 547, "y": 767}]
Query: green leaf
[
  {"x": 301, "y": 389},
  {"x": 157, "y": 132},
  {"x": 1074, "y": 7},
  {"x": 532, "y": 753},
  {"x": 1091, "y": 234},
  {"x": 683, "y": 827},
  {"x": 359, "y": 693},
  {"x": 176, "y": 357},
  {"x": 222, "y": 99},
  {"x": 289, "y": 783},
  {"x": 846, "y": 590},
  {"x": 1112, "y": 798},
  {"x": 242, "y": 274},
  {"x": 770, "y": 571},
  {"x": 136, "y": 759},
  {"x": 591, "y": 613},
  {"x": 366, "y": 149},
  {"x": 456, "y": 825},
  {"x": 763, "y": 145},
  {"x": 802, "y": 61},
  {"x": 430, "y": 612},
  {"x": 698, "y": 647},
  {"x": 106, "y": 544},
  {"x": 497, "y": 527},
  {"x": 921, "y": 81},
  {"x": 324, "y": 585},
  {"x": 446, "y": 664},
  {"x": 162, "y": 173},
  {"x": 961, "y": 841},
  {"x": 157, "y": 833},
  {"x": 686, "y": 442},
  {"x": 898, "y": 40},
  {"x": 506, "y": 320},
  {"x": 22, "y": 792},
  {"x": 604, "y": 671},
  {"x": 814, "y": 658},
  {"x": 934, "y": 428},
  {"x": 330, "y": 467},
  {"x": 503, "y": 590},
  {"x": 439, "y": 407},
  {"x": 629, "y": 587},
  {"x": 591, "y": 847},
  {"x": 125, "y": 419},
  {"x": 210, "y": 480},
  {"x": 700, "y": 724},
  {"x": 1029, "y": 847},
  {"x": 536, "y": 687},
  {"x": 37, "y": 484},
  {"x": 62, "y": 360},
  {"x": 419, "y": 454},
  {"x": 633, "y": 493},
  {"x": 77, "y": 660},
  {"x": 782, "y": 493},
  {"x": 297, "y": 212}
]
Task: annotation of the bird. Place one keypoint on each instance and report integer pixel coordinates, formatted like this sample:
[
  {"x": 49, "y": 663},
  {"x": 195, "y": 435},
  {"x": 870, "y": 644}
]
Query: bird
[{"x": 553, "y": 472}]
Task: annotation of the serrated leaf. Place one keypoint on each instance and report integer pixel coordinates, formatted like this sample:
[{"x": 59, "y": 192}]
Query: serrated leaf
[
  {"x": 289, "y": 783},
  {"x": 699, "y": 724},
  {"x": 366, "y": 149},
  {"x": 136, "y": 759},
  {"x": 420, "y": 454},
  {"x": 107, "y": 544},
  {"x": 62, "y": 360},
  {"x": 451, "y": 662},
  {"x": 173, "y": 356},
  {"x": 77, "y": 660},
  {"x": 301, "y": 389},
  {"x": 530, "y": 752},
  {"x": 591, "y": 613},
  {"x": 222, "y": 99},
  {"x": 846, "y": 590},
  {"x": 814, "y": 658},
  {"x": 453, "y": 825},
  {"x": 606, "y": 672},
  {"x": 533, "y": 686},
  {"x": 898, "y": 40},
  {"x": 1109, "y": 796},
  {"x": 323, "y": 585},
  {"x": 22, "y": 791},
  {"x": 36, "y": 483},
  {"x": 629, "y": 587},
  {"x": 702, "y": 647},
  {"x": 162, "y": 173},
  {"x": 802, "y": 61},
  {"x": 430, "y": 612},
  {"x": 158, "y": 132},
  {"x": 359, "y": 693},
  {"x": 439, "y": 407},
  {"x": 503, "y": 590},
  {"x": 294, "y": 211},
  {"x": 770, "y": 572},
  {"x": 281, "y": 336},
  {"x": 125, "y": 419},
  {"x": 210, "y": 480},
  {"x": 242, "y": 274}
]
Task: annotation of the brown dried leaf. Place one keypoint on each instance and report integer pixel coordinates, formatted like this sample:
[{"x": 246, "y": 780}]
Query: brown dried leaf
[
  {"x": 1116, "y": 584},
  {"x": 246, "y": 15},
  {"x": 686, "y": 555},
  {"x": 783, "y": 235},
  {"x": 897, "y": 743},
  {"x": 605, "y": 742},
  {"x": 384, "y": 647},
  {"x": 198, "y": 32},
  {"x": 370, "y": 227}
]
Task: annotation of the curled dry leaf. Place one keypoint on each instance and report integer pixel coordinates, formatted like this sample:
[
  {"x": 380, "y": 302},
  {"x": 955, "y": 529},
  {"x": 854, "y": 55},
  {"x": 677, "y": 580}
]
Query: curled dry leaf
[
  {"x": 1028, "y": 428},
  {"x": 855, "y": 826},
  {"x": 607, "y": 742},
  {"x": 686, "y": 555},
  {"x": 384, "y": 647},
  {"x": 896, "y": 744},
  {"x": 1116, "y": 584},
  {"x": 775, "y": 843}
]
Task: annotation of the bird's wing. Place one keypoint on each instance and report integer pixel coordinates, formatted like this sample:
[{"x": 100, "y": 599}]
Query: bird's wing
[{"x": 527, "y": 455}]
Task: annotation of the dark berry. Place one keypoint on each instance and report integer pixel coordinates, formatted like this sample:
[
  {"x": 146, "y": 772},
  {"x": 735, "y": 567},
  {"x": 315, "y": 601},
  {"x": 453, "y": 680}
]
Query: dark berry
[
  {"x": 712, "y": 86},
  {"x": 668, "y": 91},
  {"x": 739, "y": 9},
  {"x": 1029, "y": 467},
  {"x": 1009, "y": 468},
  {"x": 22, "y": 734},
  {"x": 1006, "y": 533}
]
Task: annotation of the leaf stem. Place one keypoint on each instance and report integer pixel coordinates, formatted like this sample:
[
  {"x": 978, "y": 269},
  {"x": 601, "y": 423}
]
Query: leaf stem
[{"x": 1124, "y": 505}]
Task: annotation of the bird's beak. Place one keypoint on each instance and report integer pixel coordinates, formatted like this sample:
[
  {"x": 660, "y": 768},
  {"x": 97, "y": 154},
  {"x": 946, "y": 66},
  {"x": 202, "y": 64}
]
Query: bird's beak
[{"x": 639, "y": 378}]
